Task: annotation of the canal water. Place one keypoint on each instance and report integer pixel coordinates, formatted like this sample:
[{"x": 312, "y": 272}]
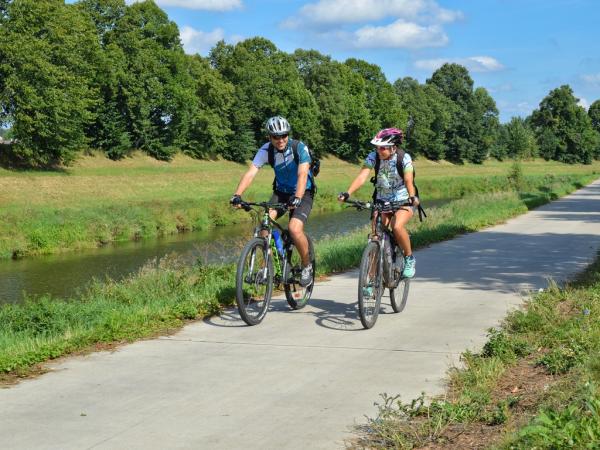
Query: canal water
[{"x": 64, "y": 274}]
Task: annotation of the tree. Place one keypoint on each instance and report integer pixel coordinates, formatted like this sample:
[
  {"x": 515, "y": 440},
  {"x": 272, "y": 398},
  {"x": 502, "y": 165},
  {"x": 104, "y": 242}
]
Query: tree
[
  {"x": 454, "y": 81},
  {"x": 482, "y": 124},
  {"x": 210, "y": 131},
  {"x": 594, "y": 113},
  {"x": 382, "y": 102},
  {"x": 430, "y": 112},
  {"x": 563, "y": 128},
  {"x": 49, "y": 53},
  {"x": 267, "y": 83},
  {"x": 518, "y": 139}
]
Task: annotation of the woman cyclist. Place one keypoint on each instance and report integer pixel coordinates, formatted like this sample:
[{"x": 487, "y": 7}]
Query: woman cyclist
[{"x": 393, "y": 185}]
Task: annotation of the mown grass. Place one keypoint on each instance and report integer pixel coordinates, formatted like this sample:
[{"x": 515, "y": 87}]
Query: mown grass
[
  {"x": 556, "y": 337},
  {"x": 100, "y": 201},
  {"x": 162, "y": 296}
]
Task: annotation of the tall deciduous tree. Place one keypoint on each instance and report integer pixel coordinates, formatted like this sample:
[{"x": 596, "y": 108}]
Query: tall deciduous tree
[
  {"x": 563, "y": 128},
  {"x": 430, "y": 113},
  {"x": 49, "y": 54},
  {"x": 267, "y": 83},
  {"x": 154, "y": 92}
]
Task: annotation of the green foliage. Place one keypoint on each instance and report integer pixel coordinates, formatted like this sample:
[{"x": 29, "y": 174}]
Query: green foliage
[
  {"x": 518, "y": 139},
  {"x": 515, "y": 176},
  {"x": 431, "y": 113},
  {"x": 49, "y": 54},
  {"x": 472, "y": 131},
  {"x": 575, "y": 426},
  {"x": 563, "y": 128},
  {"x": 267, "y": 83}
]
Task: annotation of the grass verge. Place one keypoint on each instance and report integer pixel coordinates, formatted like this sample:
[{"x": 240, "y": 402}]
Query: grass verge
[
  {"x": 165, "y": 294},
  {"x": 535, "y": 384}
]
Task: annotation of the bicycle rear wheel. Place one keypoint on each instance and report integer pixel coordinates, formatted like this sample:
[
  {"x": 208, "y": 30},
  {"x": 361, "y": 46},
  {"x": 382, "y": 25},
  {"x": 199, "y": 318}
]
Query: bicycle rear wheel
[
  {"x": 296, "y": 295},
  {"x": 370, "y": 285},
  {"x": 254, "y": 281}
]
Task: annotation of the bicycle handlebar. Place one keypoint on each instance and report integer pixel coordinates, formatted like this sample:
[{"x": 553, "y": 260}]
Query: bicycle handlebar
[
  {"x": 247, "y": 206},
  {"x": 378, "y": 206},
  {"x": 358, "y": 204}
]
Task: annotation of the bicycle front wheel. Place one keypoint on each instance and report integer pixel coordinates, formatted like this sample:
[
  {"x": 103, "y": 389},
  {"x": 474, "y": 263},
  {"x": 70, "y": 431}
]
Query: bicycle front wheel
[
  {"x": 296, "y": 295},
  {"x": 370, "y": 285},
  {"x": 399, "y": 295},
  {"x": 254, "y": 281}
]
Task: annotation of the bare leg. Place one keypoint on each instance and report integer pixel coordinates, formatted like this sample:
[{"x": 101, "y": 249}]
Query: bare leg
[
  {"x": 296, "y": 228},
  {"x": 401, "y": 218}
]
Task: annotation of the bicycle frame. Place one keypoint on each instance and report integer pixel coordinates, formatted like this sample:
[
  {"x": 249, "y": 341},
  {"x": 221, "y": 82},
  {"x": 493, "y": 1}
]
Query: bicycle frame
[{"x": 266, "y": 225}]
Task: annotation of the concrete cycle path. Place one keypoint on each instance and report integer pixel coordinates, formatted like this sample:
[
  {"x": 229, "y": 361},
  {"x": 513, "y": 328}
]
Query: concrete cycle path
[{"x": 301, "y": 379}]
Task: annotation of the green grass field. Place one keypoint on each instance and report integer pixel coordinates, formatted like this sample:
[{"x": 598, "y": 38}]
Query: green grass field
[{"x": 98, "y": 201}]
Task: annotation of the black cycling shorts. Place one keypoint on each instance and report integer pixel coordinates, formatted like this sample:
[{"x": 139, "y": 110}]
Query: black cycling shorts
[{"x": 301, "y": 212}]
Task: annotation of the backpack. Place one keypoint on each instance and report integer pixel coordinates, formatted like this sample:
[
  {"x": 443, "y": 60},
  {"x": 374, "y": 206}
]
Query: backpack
[
  {"x": 315, "y": 165},
  {"x": 400, "y": 169}
]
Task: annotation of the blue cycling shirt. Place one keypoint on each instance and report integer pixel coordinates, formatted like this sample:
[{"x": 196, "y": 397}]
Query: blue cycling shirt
[{"x": 286, "y": 169}]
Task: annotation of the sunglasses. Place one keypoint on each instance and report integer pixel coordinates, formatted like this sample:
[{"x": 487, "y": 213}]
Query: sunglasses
[{"x": 279, "y": 137}]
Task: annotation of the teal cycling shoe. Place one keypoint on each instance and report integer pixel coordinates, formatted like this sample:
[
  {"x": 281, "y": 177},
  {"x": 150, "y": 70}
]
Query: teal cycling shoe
[{"x": 409, "y": 267}]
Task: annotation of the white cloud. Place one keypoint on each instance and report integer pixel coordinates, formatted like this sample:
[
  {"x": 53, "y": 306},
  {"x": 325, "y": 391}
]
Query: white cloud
[
  {"x": 197, "y": 41},
  {"x": 473, "y": 63},
  {"x": 211, "y": 5},
  {"x": 335, "y": 12},
  {"x": 584, "y": 103},
  {"x": 593, "y": 79},
  {"x": 400, "y": 34}
]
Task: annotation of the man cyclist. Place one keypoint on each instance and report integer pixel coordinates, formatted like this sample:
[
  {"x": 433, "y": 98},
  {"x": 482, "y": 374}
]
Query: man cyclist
[
  {"x": 391, "y": 186},
  {"x": 293, "y": 184}
]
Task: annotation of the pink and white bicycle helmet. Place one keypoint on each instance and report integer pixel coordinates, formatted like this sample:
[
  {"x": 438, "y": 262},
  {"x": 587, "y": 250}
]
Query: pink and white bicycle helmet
[{"x": 388, "y": 137}]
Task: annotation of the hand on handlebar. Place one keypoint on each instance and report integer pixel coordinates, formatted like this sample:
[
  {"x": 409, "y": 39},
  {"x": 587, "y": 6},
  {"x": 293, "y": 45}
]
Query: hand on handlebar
[
  {"x": 294, "y": 202},
  {"x": 236, "y": 201},
  {"x": 343, "y": 196}
]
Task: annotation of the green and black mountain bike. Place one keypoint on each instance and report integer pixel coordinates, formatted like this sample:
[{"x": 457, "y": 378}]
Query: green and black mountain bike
[
  {"x": 381, "y": 266},
  {"x": 270, "y": 259}
]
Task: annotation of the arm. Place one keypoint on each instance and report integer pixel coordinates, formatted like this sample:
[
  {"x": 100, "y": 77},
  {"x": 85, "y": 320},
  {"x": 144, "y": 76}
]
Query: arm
[
  {"x": 303, "y": 169},
  {"x": 360, "y": 179},
  {"x": 410, "y": 187},
  {"x": 246, "y": 180}
]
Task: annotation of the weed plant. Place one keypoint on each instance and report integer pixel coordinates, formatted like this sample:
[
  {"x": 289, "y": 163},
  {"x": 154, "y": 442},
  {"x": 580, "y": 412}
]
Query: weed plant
[{"x": 558, "y": 331}]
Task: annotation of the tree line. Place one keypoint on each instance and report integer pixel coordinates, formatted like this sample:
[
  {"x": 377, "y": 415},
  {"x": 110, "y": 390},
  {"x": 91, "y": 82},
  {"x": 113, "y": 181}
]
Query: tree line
[{"x": 104, "y": 75}]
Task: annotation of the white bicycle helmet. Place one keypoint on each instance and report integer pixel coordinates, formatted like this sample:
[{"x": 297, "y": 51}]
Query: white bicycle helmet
[
  {"x": 277, "y": 126},
  {"x": 388, "y": 137}
]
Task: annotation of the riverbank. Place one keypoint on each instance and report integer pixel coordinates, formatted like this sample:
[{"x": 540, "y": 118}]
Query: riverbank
[
  {"x": 99, "y": 201},
  {"x": 165, "y": 294},
  {"x": 535, "y": 384}
]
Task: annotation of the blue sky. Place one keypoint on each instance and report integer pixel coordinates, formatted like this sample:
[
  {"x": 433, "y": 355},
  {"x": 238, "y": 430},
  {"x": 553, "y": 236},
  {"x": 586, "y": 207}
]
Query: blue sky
[{"x": 517, "y": 49}]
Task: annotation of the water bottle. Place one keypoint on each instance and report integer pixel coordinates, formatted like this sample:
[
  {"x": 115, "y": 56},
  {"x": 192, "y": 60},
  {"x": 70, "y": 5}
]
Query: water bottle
[{"x": 278, "y": 241}]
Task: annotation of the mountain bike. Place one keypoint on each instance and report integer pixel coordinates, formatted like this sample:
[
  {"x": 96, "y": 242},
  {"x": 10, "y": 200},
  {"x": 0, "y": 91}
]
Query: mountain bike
[
  {"x": 264, "y": 264},
  {"x": 381, "y": 266}
]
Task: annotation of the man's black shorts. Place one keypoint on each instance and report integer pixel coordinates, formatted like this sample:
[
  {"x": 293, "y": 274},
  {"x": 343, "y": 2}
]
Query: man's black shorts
[{"x": 301, "y": 212}]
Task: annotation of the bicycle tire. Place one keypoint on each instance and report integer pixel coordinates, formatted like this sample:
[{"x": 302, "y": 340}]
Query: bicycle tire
[
  {"x": 370, "y": 285},
  {"x": 402, "y": 285},
  {"x": 252, "y": 305},
  {"x": 399, "y": 301},
  {"x": 296, "y": 295}
]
